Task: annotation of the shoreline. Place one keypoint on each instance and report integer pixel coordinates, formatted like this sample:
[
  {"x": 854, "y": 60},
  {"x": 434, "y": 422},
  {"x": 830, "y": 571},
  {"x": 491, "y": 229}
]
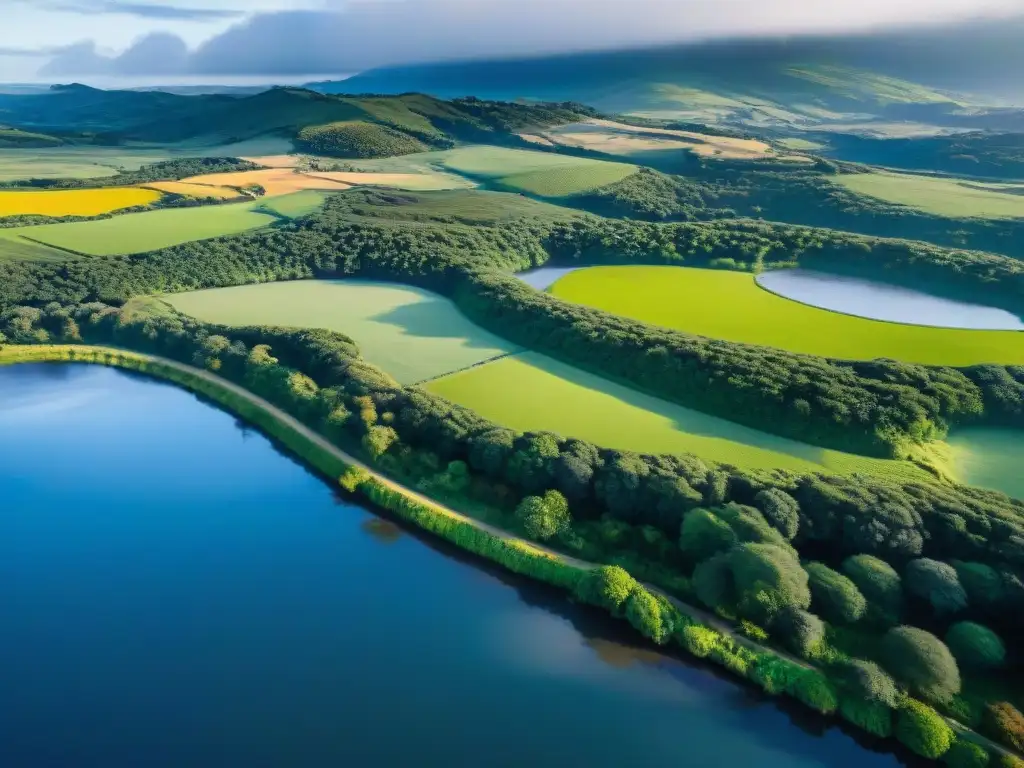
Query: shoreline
[{"x": 723, "y": 644}]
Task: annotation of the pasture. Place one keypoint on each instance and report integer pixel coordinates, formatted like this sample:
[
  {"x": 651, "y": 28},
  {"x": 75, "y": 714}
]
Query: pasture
[
  {"x": 147, "y": 231},
  {"x": 956, "y": 198},
  {"x": 414, "y": 182},
  {"x": 616, "y": 138},
  {"x": 531, "y": 392},
  {"x": 73, "y": 202},
  {"x": 411, "y": 333},
  {"x": 192, "y": 190},
  {"x": 538, "y": 173},
  {"x": 276, "y": 181},
  {"x": 731, "y": 306}
]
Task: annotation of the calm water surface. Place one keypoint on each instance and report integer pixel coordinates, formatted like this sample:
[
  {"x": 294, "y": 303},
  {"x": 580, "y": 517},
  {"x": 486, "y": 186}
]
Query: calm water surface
[
  {"x": 175, "y": 592},
  {"x": 879, "y": 301},
  {"x": 543, "y": 278}
]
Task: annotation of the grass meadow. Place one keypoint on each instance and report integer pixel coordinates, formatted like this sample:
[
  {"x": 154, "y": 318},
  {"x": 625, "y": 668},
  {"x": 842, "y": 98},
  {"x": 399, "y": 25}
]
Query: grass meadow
[
  {"x": 140, "y": 232},
  {"x": 411, "y": 333},
  {"x": 531, "y": 392},
  {"x": 730, "y": 305},
  {"x": 73, "y": 202},
  {"x": 537, "y": 173},
  {"x": 956, "y": 198}
]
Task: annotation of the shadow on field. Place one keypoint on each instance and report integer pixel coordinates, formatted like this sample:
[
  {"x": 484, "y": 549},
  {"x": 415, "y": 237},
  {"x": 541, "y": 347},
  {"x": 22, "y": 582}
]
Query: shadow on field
[{"x": 435, "y": 318}]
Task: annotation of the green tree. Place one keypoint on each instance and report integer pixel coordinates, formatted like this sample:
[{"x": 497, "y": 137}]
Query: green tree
[
  {"x": 867, "y": 681},
  {"x": 922, "y": 662},
  {"x": 546, "y": 516},
  {"x": 877, "y": 580},
  {"x": 937, "y": 583},
  {"x": 767, "y": 578},
  {"x": 965, "y": 754},
  {"x": 835, "y": 596},
  {"x": 801, "y": 631},
  {"x": 606, "y": 587},
  {"x": 920, "y": 728},
  {"x": 975, "y": 646},
  {"x": 981, "y": 582},
  {"x": 781, "y": 510},
  {"x": 378, "y": 439},
  {"x": 645, "y": 613},
  {"x": 704, "y": 534},
  {"x": 713, "y": 583}
]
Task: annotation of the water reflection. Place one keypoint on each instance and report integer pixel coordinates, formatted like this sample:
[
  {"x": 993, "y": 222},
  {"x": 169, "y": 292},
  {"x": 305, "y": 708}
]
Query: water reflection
[
  {"x": 543, "y": 278},
  {"x": 384, "y": 531}
]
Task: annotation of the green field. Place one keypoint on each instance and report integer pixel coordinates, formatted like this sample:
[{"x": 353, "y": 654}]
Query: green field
[
  {"x": 152, "y": 230},
  {"x": 411, "y": 333},
  {"x": 989, "y": 458},
  {"x": 956, "y": 198},
  {"x": 531, "y": 392},
  {"x": 538, "y": 173},
  {"x": 731, "y": 306}
]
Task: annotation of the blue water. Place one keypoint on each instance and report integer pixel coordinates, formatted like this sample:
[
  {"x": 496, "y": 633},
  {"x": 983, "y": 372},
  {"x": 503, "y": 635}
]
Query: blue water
[{"x": 175, "y": 592}]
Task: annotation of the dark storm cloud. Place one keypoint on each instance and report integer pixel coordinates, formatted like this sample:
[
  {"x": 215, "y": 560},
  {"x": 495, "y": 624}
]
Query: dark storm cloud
[{"x": 368, "y": 33}]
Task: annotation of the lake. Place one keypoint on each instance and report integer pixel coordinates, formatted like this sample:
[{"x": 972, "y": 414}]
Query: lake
[
  {"x": 176, "y": 592},
  {"x": 543, "y": 278},
  {"x": 879, "y": 301},
  {"x": 989, "y": 457}
]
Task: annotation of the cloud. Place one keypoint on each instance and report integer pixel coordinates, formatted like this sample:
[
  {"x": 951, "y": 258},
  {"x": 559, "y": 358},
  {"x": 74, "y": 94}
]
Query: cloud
[
  {"x": 362, "y": 34},
  {"x": 157, "y": 11}
]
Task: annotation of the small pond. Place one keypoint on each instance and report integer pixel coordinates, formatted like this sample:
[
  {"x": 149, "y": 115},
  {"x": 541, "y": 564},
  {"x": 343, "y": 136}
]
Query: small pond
[{"x": 879, "y": 301}]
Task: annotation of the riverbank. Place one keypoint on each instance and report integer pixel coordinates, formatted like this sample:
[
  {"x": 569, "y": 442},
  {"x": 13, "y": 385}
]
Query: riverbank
[{"x": 654, "y": 614}]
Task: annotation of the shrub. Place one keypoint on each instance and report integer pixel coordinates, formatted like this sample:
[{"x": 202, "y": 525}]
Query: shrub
[
  {"x": 754, "y": 632},
  {"x": 773, "y": 673},
  {"x": 801, "y": 631},
  {"x": 544, "y": 517},
  {"x": 713, "y": 584},
  {"x": 922, "y": 662},
  {"x": 606, "y": 587},
  {"x": 877, "y": 580},
  {"x": 781, "y": 510},
  {"x": 813, "y": 689},
  {"x": 937, "y": 583},
  {"x": 704, "y": 535},
  {"x": 873, "y": 717},
  {"x": 866, "y": 681},
  {"x": 920, "y": 728},
  {"x": 975, "y": 646},
  {"x": 1004, "y": 723},
  {"x": 834, "y": 595},
  {"x": 1003, "y": 760},
  {"x": 767, "y": 578},
  {"x": 378, "y": 439},
  {"x": 981, "y": 582},
  {"x": 644, "y": 612},
  {"x": 699, "y": 640},
  {"x": 965, "y": 754}
]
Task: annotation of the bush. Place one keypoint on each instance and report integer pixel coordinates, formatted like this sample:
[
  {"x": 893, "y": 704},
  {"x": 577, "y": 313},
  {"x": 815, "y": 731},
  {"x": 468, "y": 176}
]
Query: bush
[
  {"x": 801, "y": 631},
  {"x": 975, "y": 646},
  {"x": 544, "y": 517},
  {"x": 981, "y": 582},
  {"x": 781, "y": 510},
  {"x": 834, "y": 595},
  {"x": 873, "y": 717},
  {"x": 965, "y": 754},
  {"x": 1004, "y": 723},
  {"x": 922, "y": 730},
  {"x": 813, "y": 689},
  {"x": 606, "y": 587},
  {"x": 644, "y": 612},
  {"x": 699, "y": 640},
  {"x": 774, "y": 674},
  {"x": 937, "y": 583},
  {"x": 922, "y": 662},
  {"x": 713, "y": 583},
  {"x": 704, "y": 535},
  {"x": 767, "y": 578},
  {"x": 877, "y": 580},
  {"x": 754, "y": 632},
  {"x": 866, "y": 681}
]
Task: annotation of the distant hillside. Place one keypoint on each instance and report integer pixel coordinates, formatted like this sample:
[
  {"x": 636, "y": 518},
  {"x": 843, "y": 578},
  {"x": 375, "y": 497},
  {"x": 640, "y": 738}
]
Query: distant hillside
[
  {"x": 802, "y": 82},
  {"x": 118, "y": 116},
  {"x": 12, "y": 137}
]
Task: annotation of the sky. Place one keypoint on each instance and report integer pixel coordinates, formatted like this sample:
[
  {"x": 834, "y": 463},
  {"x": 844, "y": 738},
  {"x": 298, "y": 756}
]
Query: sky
[{"x": 291, "y": 40}]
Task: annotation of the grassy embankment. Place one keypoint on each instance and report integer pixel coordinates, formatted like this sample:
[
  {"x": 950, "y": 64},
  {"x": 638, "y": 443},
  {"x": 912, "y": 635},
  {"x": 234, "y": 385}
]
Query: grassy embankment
[
  {"x": 417, "y": 336},
  {"x": 731, "y": 306}
]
